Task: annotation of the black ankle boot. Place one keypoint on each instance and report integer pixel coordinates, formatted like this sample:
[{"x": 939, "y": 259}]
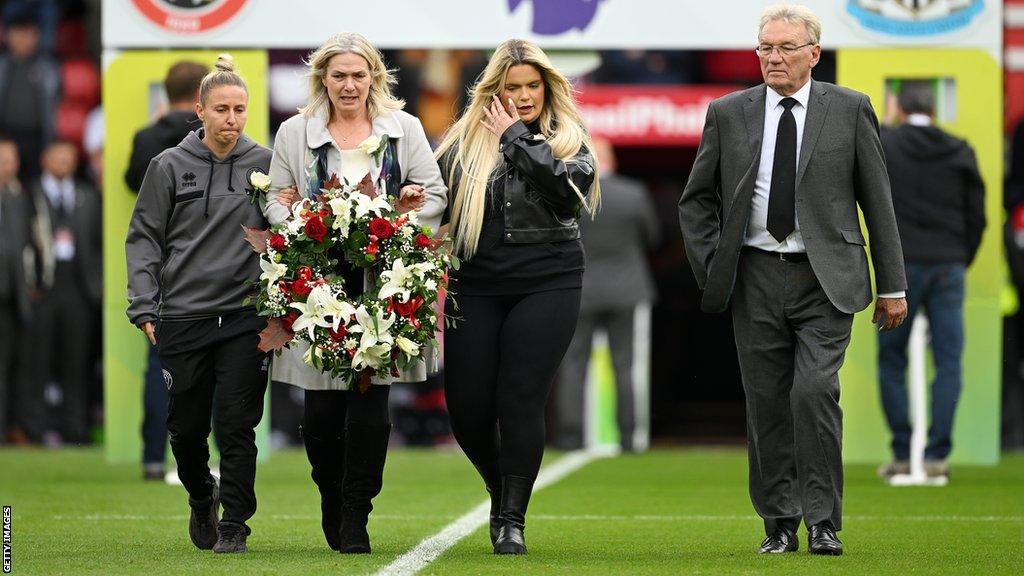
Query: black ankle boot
[
  {"x": 492, "y": 482},
  {"x": 515, "y": 497},
  {"x": 327, "y": 458},
  {"x": 366, "y": 449}
]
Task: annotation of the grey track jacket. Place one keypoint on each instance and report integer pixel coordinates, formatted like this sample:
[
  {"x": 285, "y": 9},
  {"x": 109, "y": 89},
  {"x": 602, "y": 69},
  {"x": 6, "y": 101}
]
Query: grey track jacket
[{"x": 186, "y": 251}]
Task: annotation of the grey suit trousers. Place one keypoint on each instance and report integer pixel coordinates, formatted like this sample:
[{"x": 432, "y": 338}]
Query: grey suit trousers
[
  {"x": 791, "y": 341},
  {"x": 621, "y": 326}
]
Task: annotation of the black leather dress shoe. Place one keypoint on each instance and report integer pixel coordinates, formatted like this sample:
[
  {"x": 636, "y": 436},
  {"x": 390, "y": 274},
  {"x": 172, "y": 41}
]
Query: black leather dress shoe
[
  {"x": 822, "y": 539},
  {"x": 782, "y": 540}
]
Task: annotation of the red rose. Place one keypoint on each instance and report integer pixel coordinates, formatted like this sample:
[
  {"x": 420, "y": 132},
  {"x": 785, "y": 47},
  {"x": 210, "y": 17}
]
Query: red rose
[
  {"x": 372, "y": 248},
  {"x": 301, "y": 288},
  {"x": 277, "y": 242},
  {"x": 381, "y": 228},
  {"x": 282, "y": 285},
  {"x": 288, "y": 320},
  {"x": 423, "y": 241},
  {"x": 305, "y": 273},
  {"x": 407, "y": 309},
  {"x": 315, "y": 229},
  {"x": 339, "y": 334}
]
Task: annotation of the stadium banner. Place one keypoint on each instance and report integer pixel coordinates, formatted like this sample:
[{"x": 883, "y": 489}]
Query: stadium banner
[
  {"x": 590, "y": 24},
  {"x": 132, "y": 97},
  {"x": 644, "y": 115}
]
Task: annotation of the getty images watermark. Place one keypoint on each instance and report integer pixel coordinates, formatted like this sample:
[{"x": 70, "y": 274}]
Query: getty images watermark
[{"x": 7, "y": 539}]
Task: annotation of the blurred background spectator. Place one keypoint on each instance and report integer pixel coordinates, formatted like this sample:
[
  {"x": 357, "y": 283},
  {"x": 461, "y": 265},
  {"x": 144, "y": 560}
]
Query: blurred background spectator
[
  {"x": 29, "y": 89},
  {"x": 15, "y": 309},
  {"x": 939, "y": 199},
  {"x": 181, "y": 86},
  {"x": 618, "y": 290},
  {"x": 68, "y": 278}
]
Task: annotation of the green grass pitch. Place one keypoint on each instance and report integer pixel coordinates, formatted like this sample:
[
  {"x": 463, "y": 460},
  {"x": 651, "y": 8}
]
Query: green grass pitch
[{"x": 665, "y": 512}]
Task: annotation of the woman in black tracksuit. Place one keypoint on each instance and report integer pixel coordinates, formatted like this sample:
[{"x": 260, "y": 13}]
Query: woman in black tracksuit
[
  {"x": 519, "y": 173},
  {"x": 188, "y": 268}
]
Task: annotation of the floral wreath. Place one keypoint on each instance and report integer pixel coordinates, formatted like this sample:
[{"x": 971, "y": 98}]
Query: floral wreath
[{"x": 377, "y": 333}]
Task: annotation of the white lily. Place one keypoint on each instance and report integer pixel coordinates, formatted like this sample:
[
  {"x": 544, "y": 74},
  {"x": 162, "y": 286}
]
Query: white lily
[
  {"x": 365, "y": 205},
  {"x": 319, "y": 305},
  {"x": 272, "y": 271},
  {"x": 422, "y": 268},
  {"x": 407, "y": 346},
  {"x": 374, "y": 328},
  {"x": 339, "y": 311},
  {"x": 396, "y": 280},
  {"x": 294, "y": 223},
  {"x": 342, "y": 209},
  {"x": 372, "y": 357}
]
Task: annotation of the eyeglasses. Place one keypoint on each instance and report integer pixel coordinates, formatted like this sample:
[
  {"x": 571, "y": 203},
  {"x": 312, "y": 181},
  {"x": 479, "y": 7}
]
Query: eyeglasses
[{"x": 765, "y": 50}]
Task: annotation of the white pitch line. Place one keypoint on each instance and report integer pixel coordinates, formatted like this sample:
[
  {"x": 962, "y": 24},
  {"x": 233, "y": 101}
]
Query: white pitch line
[
  {"x": 432, "y": 547},
  {"x": 557, "y": 517}
]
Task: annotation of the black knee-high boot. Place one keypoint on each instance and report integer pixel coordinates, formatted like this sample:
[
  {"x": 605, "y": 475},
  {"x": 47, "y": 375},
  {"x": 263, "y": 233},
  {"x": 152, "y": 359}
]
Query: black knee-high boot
[
  {"x": 492, "y": 482},
  {"x": 365, "y": 452},
  {"x": 327, "y": 458},
  {"x": 515, "y": 497}
]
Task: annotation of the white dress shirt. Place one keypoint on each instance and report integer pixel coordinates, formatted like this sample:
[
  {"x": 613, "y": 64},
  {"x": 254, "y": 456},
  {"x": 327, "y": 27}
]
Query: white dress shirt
[
  {"x": 757, "y": 227},
  {"x": 61, "y": 193}
]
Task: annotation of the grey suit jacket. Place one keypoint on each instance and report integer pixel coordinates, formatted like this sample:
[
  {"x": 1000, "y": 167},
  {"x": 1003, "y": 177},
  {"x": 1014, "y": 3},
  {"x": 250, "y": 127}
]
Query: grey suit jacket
[{"x": 841, "y": 166}]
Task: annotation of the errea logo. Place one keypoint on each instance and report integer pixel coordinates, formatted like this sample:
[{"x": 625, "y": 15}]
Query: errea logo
[{"x": 188, "y": 180}]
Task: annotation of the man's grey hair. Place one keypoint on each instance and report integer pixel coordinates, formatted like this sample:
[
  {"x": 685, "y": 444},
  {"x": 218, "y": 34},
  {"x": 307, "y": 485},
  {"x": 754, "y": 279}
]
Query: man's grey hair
[{"x": 794, "y": 14}]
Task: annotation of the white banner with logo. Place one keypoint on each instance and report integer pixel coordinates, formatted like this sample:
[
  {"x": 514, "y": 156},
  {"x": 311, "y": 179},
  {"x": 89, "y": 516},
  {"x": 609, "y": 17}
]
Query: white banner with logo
[{"x": 552, "y": 23}]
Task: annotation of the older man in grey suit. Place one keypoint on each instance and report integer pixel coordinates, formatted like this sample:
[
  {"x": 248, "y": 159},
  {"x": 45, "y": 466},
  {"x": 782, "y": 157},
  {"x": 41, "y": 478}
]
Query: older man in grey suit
[{"x": 769, "y": 219}]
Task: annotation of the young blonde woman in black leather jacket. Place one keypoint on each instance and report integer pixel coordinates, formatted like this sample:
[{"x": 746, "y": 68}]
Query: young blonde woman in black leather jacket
[{"x": 519, "y": 174}]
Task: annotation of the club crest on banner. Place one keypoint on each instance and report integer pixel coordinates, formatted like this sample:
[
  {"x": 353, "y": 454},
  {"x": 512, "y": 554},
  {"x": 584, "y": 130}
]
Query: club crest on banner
[
  {"x": 189, "y": 16},
  {"x": 914, "y": 18}
]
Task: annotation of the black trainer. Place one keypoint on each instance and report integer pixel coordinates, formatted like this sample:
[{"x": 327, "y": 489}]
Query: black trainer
[
  {"x": 231, "y": 538},
  {"x": 202, "y": 522}
]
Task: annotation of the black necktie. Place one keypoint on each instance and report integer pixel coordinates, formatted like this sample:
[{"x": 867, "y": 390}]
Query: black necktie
[{"x": 782, "y": 197}]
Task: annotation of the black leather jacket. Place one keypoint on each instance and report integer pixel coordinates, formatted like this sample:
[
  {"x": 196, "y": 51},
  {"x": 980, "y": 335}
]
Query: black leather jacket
[{"x": 540, "y": 206}]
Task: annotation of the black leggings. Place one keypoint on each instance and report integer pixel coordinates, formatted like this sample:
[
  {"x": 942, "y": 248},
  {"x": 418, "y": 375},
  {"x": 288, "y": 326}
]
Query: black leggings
[
  {"x": 500, "y": 362},
  {"x": 327, "y": 412}
]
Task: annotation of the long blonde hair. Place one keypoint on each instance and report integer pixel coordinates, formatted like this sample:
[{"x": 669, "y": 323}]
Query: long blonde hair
[
  {"x": 380, "y": 101},
  {"x": 474, "y": 149}
]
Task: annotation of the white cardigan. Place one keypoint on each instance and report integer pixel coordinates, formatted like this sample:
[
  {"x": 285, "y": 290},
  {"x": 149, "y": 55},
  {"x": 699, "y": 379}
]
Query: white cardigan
[{"x": 293, "y": 146}]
